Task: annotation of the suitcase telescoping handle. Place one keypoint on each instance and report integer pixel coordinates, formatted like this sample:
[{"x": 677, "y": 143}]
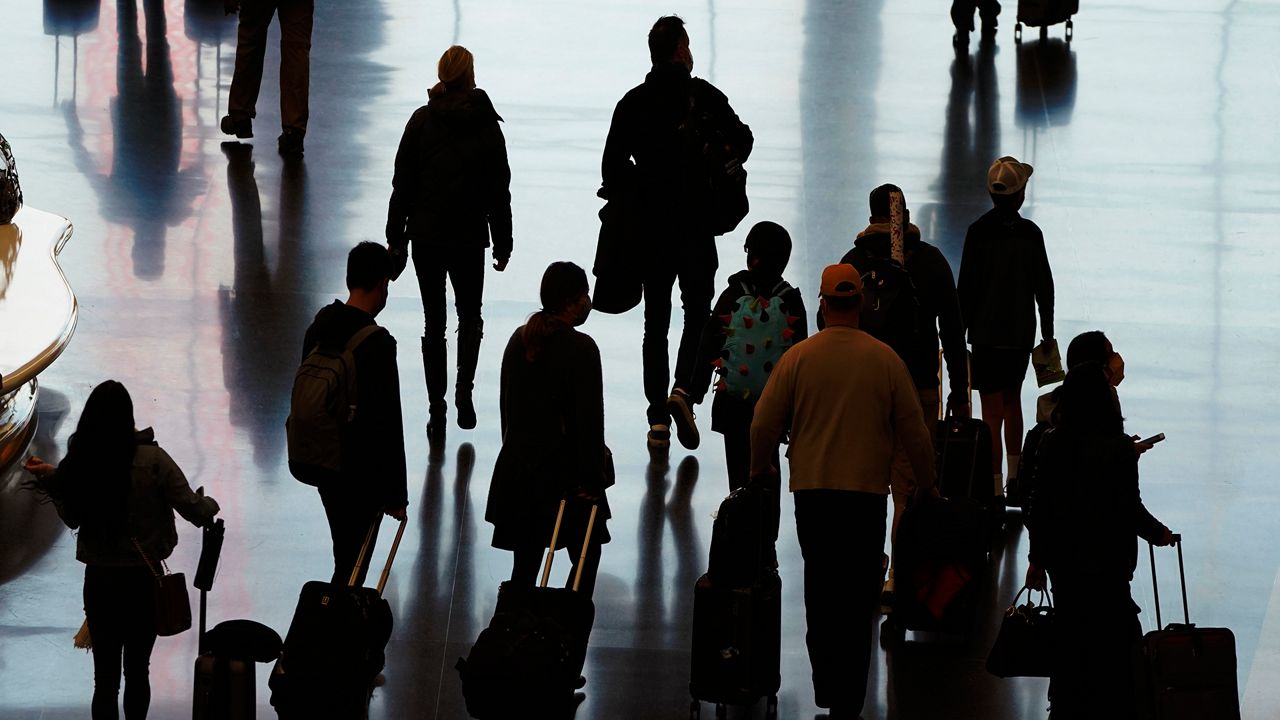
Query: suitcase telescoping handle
[
  {"x": 364, "y": 553},
  {"x": 1182, "y": 575},
  {"x": 555, "y": 536}
]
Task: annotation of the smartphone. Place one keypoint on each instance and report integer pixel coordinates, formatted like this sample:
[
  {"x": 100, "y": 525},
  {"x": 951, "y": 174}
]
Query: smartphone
[{"x": 1153, "y": 439}]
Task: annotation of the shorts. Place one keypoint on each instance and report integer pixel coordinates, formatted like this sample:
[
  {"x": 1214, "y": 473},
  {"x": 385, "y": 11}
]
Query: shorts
[{"x": 997, "y": 369}]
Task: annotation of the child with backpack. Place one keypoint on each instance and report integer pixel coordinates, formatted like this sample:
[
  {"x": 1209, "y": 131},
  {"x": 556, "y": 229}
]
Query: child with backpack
[{"x": 757, "y": 317}]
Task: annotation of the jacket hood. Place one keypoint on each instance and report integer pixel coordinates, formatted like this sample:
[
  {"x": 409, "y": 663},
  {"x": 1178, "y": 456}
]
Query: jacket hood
[
  {"x": 337, "y": 322},
  {"x": 759, "y": 282},
  {"x": 875, "y": 238},
  {"x": 464, "y": 107}
]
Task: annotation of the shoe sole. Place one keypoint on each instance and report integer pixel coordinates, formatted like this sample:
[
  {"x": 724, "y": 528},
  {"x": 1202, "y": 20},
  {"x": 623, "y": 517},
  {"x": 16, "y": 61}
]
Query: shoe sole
[{"x": 686, "y": 430}]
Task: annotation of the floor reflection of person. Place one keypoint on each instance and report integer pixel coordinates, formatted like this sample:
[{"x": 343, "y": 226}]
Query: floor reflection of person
[{"x": 120, "y": 490}]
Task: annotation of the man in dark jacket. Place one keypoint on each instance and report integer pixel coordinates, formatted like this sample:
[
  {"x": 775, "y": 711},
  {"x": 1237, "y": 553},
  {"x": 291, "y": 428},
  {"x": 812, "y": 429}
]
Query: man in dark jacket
[
  {"x": 650, "y": 150},
  {"x": 451, "y": 193},
  {"x": 373, "y": 479}
]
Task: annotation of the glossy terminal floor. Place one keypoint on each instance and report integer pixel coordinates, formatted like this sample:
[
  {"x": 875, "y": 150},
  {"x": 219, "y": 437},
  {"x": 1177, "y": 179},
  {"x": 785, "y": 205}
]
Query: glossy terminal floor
[{"x": 1157, "y": 184}]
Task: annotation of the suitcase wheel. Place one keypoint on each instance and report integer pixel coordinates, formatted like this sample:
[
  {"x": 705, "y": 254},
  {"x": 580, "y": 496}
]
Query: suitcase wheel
[
  {"x": 771, "y": 708},
  {"x": 1017, "y": 33},
  {"x": 695, "y": 710},
  {"x": 1070, "y": 30},
  {"x": 722, "y": 711},
  {"x": 1044, "y": 32}
]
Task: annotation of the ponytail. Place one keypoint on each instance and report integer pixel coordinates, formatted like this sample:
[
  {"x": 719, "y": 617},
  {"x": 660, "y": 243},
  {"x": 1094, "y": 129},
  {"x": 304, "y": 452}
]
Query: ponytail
[{"x": 562, "y": 284}]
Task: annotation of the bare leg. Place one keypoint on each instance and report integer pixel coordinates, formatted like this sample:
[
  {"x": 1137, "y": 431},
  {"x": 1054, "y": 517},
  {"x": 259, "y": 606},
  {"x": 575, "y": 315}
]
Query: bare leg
[{"x": 993, "y": 410}]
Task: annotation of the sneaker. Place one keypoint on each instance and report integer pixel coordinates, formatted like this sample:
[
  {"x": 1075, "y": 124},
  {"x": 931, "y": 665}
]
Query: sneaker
[
  {"x": 659, "y": 437},
  {"x": 682, "y": 415},
  {"x": 241, "y": 127},
  {"x": 290, "y": 142},
  {"x": 466, "y": 411},
  {"x": 436, "y": 425}
]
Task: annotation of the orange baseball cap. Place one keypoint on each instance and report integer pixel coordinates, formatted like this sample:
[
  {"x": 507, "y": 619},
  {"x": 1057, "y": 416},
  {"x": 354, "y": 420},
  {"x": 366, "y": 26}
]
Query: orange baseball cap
[{"x": 841, "y": 280}]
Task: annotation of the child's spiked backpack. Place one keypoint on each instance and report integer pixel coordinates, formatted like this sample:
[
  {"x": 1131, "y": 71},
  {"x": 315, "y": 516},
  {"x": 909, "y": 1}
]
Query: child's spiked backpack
[{"x": 756, "y": 334}]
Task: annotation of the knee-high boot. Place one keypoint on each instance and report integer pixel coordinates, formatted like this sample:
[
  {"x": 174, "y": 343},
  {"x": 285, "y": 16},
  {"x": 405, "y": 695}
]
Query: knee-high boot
[
  {"x": 434, "y": 361},
  {"x": 469, "y": 334}
]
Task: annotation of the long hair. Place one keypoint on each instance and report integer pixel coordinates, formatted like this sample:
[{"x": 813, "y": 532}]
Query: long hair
[
  {"x": 563, "y": 283},
  {"x": 1087, "y": 402},
  {"x": 455, "y": 66},
  {"x": 99, "y": 459}
]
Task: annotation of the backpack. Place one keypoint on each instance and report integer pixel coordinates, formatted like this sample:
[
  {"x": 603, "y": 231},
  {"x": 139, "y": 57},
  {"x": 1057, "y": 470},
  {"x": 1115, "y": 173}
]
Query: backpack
[
  {"x": 891, "y": 307},
  {"x": 757, "y": 332},
  {"x": 321, "y": 409},
  {"x": 717, "y": 179}
]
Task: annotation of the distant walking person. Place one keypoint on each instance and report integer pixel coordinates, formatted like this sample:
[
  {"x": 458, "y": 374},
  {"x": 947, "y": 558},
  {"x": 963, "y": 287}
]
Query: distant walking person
[
  {"x": 295, "y": 68},
  {"x": 552, "y": 434},
  {"x": 120, "y": 490},
  {"x": 451, "y": 194},
  {"x": 371, "y": 480},
  {"x": 851, "y": 409},
  {"x": 962, "y": 18},
  {"x": 650, "y": 149},
  {"x": 1004, "y": 279}
]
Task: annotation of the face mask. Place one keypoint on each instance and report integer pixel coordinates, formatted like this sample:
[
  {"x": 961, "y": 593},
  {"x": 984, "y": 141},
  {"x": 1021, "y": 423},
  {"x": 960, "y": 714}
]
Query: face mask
[{"x": 583, "y": 313}]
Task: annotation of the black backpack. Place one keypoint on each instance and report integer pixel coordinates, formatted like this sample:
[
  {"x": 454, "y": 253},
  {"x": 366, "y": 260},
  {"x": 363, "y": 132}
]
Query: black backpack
[
  {"x": 321, "y": 408},
  {"x": 717, "y": 179},
  {"x": 891, "y": 307}
]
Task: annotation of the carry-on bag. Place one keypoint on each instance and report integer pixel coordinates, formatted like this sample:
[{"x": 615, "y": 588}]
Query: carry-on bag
[
  {"x": 964, "y": 463},
  {"x": 737, "y": 644},
  {"x": 1043, "y": 13},
  {"x": 225, "y": 683},
  {"x": 742, "y": 536},
  {"x": 528, "y": 661},
  {"x": 1186, "y": 672},
  {"x": 335, "y": 645},
  {"x": 1024, "y": 646}
]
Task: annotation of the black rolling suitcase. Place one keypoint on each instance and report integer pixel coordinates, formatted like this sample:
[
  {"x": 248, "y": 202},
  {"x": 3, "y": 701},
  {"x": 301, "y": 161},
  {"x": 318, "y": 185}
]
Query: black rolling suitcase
[
  {"x": 1185, "y": 672},
  {"x": 225, "y": 682},
  {"x": 1043, "y": 13},
  {"x": 335, "y": 645},
  {"x": 528, "y": 662},
  {"x": 964, "y": 464}
]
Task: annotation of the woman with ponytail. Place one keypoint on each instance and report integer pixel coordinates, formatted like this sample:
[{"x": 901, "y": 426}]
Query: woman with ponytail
[
  {"x": 552, "y": 404},
  {"x": 450, "y": 195},
  {"x": 119, "y": 489}
]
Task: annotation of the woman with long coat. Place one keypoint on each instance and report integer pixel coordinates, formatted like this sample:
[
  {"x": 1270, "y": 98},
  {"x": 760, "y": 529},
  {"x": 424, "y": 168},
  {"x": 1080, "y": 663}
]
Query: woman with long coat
[
  {"x": 552, "y": 434},
  {"x": 120, "y": 490},
  {"x": 451, "y": 194}
]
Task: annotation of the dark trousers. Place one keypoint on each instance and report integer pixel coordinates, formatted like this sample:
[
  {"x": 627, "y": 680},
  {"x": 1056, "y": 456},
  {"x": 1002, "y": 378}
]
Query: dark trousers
[
  {"x": 463, "y": 266},
  {"x": 350, "y": 513},
  {"x": 1097, "y": 627},
  {"x": 962, "y": 13},
  {"x": 737, "y": 457},
  {"x": 841, "y": 537},
  {"x": 692, "y": 262},
  {"x": 119, "y": 603},
  {"x": 295, "y": 58},
  {"x": 526, "y": 566}
]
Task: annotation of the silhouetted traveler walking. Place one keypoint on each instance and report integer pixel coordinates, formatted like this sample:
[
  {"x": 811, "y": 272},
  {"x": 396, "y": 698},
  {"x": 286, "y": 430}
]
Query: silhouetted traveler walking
[
  {"x": 451, "y": 193},
  {"x": 1088, "y": 517},
  {"x": 651, "y": 148},
  {"x": 552, "y": 434},
  {"x": 296, "y": 18},
  {"x": 120, "y": 490},
  {"x": 1004, "y": 279},
  {"x": 962, "y": 18},
  {"x": 729, "y": 342},
  {"x": 851, "y": 409},
  {"x": 371, "y": 480}
]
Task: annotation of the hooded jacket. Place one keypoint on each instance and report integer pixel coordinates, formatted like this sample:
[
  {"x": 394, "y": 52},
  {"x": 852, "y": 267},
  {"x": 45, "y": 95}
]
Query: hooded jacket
[
  {"x": 939, "y": 305},
  {"x": 452, "y": 182},
  {"x": 1004, "y": 278},
  {"x": 377, "y": 433}
]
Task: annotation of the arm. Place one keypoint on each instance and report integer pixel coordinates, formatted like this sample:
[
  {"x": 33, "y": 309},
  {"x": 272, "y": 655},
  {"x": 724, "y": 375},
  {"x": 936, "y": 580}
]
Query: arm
[
  {"x": 967, "y": 282},
  {"x": 588, "y": 414},
  {"x": 735, "y": 131},
  {"x": 796, "y": 309},
  {"x": 380, "y": 394},
  {"x": 617, "y": 170},
  {"x": 951, "y": 331},
  {"x": 47, "y": 480},
  {"x": 194, "y": 508},
  {"x": 772, "y": 415},
  {"x": 1044, "y": 288},
  {"x": 1145, "y": 524},
  {"x": 710, "y": 344},
  {"x": 911, "y": 436},
  {"x": 402, "y": 188},
  {"x": 498, "y": 210}
]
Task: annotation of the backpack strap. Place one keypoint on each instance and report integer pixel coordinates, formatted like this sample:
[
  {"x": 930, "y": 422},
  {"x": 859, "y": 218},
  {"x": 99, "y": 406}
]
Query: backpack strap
[
  {"x": 361, "y": 335},
  {"x": 352, "y": 387},
  {"x": 781, "y": 287}
]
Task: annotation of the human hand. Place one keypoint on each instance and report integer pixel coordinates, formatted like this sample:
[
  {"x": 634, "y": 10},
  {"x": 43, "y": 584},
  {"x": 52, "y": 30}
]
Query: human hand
[
  {"x": 38, "y": 467},
  {"x": 399, "y": 259},
  {"x": 397, "y": 513},
  {"x": 1036, "y": 578},
  {"x": 500, "y": 263},
  {"x": 960, "y": 409},
  {"x": 1167, "y": 538},
  {"x": 1140, "y": 447},
  {"x": 588, "y": 496}
]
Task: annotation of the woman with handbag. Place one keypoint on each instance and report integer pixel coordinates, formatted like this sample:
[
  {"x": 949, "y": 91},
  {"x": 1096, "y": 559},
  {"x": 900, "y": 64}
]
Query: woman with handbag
[
  {"x": 552, "y": 403},
  {"x": 1089, "y": 515},
  {"x": 120, "y": 489}
]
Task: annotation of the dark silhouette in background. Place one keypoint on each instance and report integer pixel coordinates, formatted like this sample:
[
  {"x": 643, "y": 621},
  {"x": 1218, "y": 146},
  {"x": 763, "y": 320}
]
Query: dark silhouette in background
[{"x": 296, "y": 19}]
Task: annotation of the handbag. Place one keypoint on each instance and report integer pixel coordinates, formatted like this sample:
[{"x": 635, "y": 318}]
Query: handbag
[
  {"x": 173, "y": 604},
  {"x": 1047, "y": 363},
  {"x": 1025, "y": 644}
]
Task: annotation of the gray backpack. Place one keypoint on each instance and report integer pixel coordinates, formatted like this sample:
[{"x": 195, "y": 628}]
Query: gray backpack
[{"x": 321, "y": 408}]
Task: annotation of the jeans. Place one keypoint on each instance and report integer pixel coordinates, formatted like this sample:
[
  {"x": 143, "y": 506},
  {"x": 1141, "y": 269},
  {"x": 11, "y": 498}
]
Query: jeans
[
  {"x": 119, "y": 603},
  {"x": 350, "y": 513},
  {"x": 295, "y": 59},
  {"x": 841, "y": 535},
  {"x": 692, "y": 262},
  {"x": 962, "y": 13},
  {"x": 463, "y": 266}
]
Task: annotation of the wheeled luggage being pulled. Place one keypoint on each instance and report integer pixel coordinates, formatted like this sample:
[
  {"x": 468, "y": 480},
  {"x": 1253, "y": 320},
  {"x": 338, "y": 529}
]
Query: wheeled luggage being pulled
[
  {"x": 1043, "y": 13},
  {"x": 528, "y": 662},
  {"x": 1186, "y": 672},
  {"x": 335, "y": 646}
]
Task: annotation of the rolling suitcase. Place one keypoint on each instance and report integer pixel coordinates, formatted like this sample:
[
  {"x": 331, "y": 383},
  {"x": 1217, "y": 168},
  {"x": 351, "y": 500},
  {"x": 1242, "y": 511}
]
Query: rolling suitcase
[
  {"x": 1185, "y": 672},
  {"x": 964, "y": 464},
  {"x": 737, "y": 644},
  {"x": 335, "y": 645},
  {"x": 742, "y": 536},
  {"x": 528, "y": 661},
  {"x": 1043, "y": 13},
  {"x": 225, "y": 682}
]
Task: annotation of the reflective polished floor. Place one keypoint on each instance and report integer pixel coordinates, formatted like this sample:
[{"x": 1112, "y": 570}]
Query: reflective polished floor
[{"x": 198, "y": 264}]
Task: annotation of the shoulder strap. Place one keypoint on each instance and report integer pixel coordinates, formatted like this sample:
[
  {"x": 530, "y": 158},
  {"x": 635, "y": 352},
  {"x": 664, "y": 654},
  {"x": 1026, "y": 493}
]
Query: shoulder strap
[
  {"x": 361, "y": 335},
  {"x": 781, "y": 287}
]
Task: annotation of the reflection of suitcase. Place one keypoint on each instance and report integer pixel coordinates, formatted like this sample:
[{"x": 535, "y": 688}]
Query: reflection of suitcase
[
  {"x": 737, "y": 639},
  {"x": 1043, "y": 13},
  {"x": 1186, "y": 672},
  {"x": 528, "y": 661},
  {"x": 335, "y": 645}
]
